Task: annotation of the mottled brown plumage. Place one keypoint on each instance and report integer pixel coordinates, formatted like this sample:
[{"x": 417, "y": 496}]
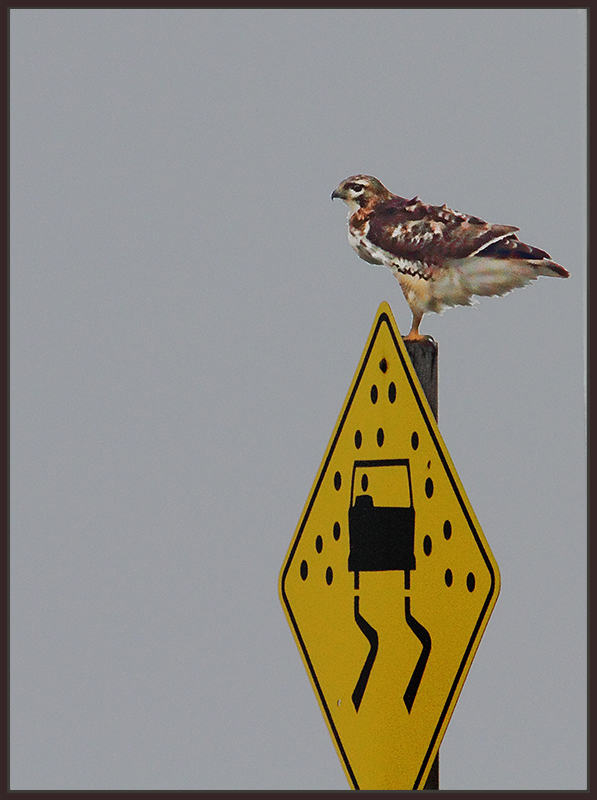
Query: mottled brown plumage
[{"x": 441, "y": 257}]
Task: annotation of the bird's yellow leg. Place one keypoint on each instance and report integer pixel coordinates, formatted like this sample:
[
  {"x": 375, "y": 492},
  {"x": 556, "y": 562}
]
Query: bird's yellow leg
[{"x": 414, "y": 335}]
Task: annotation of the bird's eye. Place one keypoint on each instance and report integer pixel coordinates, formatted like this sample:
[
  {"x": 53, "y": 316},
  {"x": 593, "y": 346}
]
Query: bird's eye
[{"x": 357, "y": 187}]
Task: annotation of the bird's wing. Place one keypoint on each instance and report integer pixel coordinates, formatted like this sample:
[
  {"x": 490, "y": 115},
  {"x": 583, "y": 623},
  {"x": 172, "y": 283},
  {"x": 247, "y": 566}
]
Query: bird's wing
[
  {"x": 512, "y": 249},
  {"x": 503, "y": 266},
  {"x": 432, "y": 235}
]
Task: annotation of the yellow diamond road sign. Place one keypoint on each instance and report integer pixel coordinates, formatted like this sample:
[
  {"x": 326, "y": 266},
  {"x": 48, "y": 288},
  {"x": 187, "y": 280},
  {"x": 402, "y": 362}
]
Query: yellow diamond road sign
[{"x": 389, "y": 582}]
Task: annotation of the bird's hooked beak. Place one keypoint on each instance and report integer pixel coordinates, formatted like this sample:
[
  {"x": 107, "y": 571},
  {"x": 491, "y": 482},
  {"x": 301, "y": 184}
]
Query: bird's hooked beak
[{"x": 336, "y": 194}]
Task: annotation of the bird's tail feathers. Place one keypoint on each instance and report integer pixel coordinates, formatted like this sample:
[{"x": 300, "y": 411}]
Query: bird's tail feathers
[
  {"x": 546, "y": 267},
  {"x": 497, "y": 276}
]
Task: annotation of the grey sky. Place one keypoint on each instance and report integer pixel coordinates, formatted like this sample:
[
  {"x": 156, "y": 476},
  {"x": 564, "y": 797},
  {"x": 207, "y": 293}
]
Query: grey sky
[{"x": 187, "y": 316}]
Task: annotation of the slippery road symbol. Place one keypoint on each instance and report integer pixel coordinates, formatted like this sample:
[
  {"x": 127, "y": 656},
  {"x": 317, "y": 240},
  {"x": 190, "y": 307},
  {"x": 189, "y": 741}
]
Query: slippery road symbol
[{"x": 382, "y": 538}]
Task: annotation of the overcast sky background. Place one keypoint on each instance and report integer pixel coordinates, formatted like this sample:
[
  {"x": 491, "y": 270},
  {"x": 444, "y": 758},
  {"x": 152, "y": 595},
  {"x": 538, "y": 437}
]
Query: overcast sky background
[{"x": 187, "y": 317}]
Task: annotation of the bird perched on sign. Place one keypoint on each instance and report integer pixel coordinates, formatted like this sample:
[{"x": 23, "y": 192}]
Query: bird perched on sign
[{"x": 441, "y": 258}]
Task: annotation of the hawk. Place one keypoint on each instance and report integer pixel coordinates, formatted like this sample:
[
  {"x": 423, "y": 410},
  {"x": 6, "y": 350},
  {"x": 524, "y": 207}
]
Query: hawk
[{"x": 440, "y": 257}]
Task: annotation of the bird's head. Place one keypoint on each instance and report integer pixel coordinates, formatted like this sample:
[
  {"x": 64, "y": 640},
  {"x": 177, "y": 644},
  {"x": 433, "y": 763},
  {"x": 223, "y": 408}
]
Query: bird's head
[{"x": 360, "y": 191}]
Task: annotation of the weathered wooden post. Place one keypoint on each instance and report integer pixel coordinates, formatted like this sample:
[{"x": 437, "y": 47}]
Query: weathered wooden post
[{"x": 423, "y": 355}]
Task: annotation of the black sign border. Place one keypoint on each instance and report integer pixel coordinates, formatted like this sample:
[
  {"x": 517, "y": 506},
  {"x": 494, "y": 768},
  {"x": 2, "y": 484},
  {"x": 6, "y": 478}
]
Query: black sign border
[{"x": 384, "y": 318}]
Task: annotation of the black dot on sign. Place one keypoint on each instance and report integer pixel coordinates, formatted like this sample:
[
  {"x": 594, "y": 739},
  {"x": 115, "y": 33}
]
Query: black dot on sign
[
  {"x": 374, "y": 394},
  {"x": 428, "y": 487},
  {"x": 414, "y": 440},
  {"x": 392, "y": 392},
  {"x": 329, "y": 576},
  {"x": 447, "y": 529},
  {"x": 470, "y": 582},
  {"x": 364, "y": 482},
  {"x": 380, "y": 437},
  {"x": 319, "y": 544},
  {"x": 427, "y": 545},
  {"x": 429, "y": 465},
  {"x": 304, "y": 570},
  {"x": 358, "y": 439},
  {"x": 336, "y": 530},
  {"x": 383, "y": 365},
  {"x": 448, "y": 577},
  {"x": 337, "y": 480}
]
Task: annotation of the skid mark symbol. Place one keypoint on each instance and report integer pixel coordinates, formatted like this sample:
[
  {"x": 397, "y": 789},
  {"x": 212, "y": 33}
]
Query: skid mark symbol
[
  {"x": 373, "y": 639},
  {"x": 423, "y": 636}
]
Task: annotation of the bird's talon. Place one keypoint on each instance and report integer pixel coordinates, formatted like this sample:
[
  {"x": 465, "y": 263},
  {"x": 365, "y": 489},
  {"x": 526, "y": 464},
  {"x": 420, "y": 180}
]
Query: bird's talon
[{"x": 422, "y": 337}]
